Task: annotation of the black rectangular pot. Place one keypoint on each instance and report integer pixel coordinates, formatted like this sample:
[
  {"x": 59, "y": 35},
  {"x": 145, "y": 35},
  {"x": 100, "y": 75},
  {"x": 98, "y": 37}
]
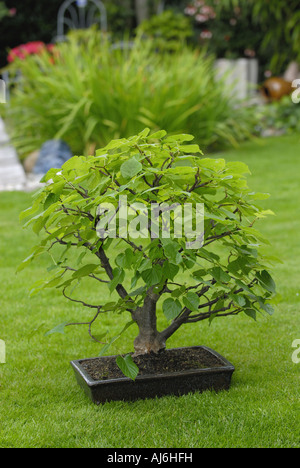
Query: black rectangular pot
[{"x": 151, "y": 386}]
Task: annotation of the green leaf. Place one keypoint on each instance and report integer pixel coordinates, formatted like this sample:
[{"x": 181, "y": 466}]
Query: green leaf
[
  {"x": 242, "y": 285},
  {"x": 81, "y": 257},
  {"x": 130, "y": 168},
  {"x": 39, "y": 223},
  {"x": 238, "y": 299},
  {"x": 237, "y": 167},
  {"x": 220, "y": 275},
  {"x": 171, "y": 251},
  {"x": 251, "y": 313},
  {"x": 144, "y": 133},
  {"x": 85, "y": 271},
  {"x": 113, "y": 145},
  {"x": 119, "y": 276},
  {"x": 265, "y": 306},
  {"x": 171, "y": 308},
  {"x": 170, "y": 270},
  {"x": 58, "y": 329},
  {"x": 53, "y": 282},
  {"x": 127, "y": 366},
  {"x": 52, "y": 198},
  {"x": 266, "y": 281},
  {"x": 179, "y": 138},
  {"x": 191, "y": 149},
  {"x": 178, "y": 291},
  {"x": 238, "y": 265},
  {"x": 141, "y": 290},
  {"x": 30, "y": 211},
  {"x": 191, "y": 301},
  {"x": 126, "y": 259},
  {"x": 157, "y": 135},
  {"x": 199, "y": 274},
  {"x": 152, "y": 276},
  {"x": 108, "y": 345},
  {"x": 37, "y": 251}
]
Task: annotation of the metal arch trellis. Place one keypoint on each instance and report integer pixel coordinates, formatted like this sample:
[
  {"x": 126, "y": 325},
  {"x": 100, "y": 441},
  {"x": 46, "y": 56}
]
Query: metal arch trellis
[{"x": 80, "y": 14}]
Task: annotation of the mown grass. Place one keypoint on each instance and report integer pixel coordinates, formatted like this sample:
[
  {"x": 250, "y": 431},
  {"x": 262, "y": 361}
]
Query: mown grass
[{"x": 41, "y": 404}]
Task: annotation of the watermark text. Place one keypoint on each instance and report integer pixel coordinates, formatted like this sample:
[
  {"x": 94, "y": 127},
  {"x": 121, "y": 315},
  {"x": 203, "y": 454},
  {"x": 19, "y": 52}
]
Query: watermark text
[
  {"x": 296, "y": 353},
  {"x": 2, "y": 352},
  {"x": 2, "y": 92},
  {"x": 296, "y": 93},
  {"x": 144, "y": 221}
]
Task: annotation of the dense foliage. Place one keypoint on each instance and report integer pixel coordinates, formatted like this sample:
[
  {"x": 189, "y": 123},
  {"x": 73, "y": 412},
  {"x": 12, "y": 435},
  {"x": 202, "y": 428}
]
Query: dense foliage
[
  {"x": 266, "y": 29},
  {"x": 227, "y": 31},
  {"x": 168, "y": 31},
  {"x": 146, "y": 274},
  {"x": 37, "y": 21},
  {"x": 88, "y": 95},
  {"x": 279, "y": 116}
]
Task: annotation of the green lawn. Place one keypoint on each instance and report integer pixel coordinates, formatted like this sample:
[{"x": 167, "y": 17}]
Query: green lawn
[{"x": 41, "y": 404}]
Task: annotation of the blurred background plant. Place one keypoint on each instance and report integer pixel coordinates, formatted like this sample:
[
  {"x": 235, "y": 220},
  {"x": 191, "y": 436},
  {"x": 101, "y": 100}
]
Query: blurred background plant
[
  {"x": 168, "y": 31},
  {"x": 266, "y": 29},
  {"x": 3, "y": 10},
  {"x": 88, "y": 95},
  {"x": 224, "y": 28},
  {"x": 87, "y": 91},
  {"x": 279, "y": 117},
  {"x": 280, "y": 24}
]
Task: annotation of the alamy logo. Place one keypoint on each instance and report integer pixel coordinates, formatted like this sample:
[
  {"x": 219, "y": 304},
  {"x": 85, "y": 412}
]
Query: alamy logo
[
  {"x": 2, "y": 92},
  {"x": 142, "y": 221},
  {"x": 296, "y": 93},
  {"x": 2, "y": 352},
  {"x": 296, "y": 353}
]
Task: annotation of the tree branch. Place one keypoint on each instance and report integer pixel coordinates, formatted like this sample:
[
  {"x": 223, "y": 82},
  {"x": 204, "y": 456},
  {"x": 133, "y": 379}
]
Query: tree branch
[
  {"x": 91, "y": 275},
  {"x": 89, "y": 324},
  {"x": 185, "y": 314},
  {"x": 204, "y": 316},
  {"x": 90, "y": 306},
  {"x": 109, "y": 271}
]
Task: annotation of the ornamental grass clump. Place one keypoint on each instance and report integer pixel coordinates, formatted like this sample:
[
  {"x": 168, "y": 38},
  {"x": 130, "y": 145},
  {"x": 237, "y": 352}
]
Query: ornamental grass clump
[
  {"x": 88, "y": 91},
  {"x": 198, "y": 259}
]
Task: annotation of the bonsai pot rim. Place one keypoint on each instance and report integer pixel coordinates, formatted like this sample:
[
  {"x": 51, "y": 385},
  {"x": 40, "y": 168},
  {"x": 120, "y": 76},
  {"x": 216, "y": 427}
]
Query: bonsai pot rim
[{"x": 100, "y": 391}]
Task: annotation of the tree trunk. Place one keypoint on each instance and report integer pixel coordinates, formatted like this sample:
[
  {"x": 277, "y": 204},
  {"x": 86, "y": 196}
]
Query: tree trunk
[
  {"x": 149, "y": 339},
  {"x": 142, "y": 10}
]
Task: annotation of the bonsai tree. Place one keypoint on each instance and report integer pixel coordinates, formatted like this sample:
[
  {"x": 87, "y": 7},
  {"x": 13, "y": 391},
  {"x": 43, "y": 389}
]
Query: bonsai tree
[{"x": 93, "y": 218}]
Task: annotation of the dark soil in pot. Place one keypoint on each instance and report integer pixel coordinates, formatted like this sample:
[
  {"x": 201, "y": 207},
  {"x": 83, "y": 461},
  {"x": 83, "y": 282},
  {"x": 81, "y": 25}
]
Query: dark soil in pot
[
  {"x": 175, "y": 360},
  {"x": 173, "y": 372}
]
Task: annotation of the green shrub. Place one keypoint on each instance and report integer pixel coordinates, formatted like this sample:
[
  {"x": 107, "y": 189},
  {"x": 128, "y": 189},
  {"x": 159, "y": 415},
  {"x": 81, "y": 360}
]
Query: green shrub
[
  {"x": 88, "y": 93},
  {"x": 282, "y": 116},
  {"x": 3, "y": 10},
  {"x": 168, "y": 31},
  {"x": 270, "y": 29}
]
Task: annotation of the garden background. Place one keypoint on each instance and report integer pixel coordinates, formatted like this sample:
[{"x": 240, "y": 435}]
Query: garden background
[{"x": 157, "y": 71}]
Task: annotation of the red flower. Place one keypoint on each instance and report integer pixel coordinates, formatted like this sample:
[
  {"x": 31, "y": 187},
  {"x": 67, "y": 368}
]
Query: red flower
[{"x": 31, "y": 48}]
